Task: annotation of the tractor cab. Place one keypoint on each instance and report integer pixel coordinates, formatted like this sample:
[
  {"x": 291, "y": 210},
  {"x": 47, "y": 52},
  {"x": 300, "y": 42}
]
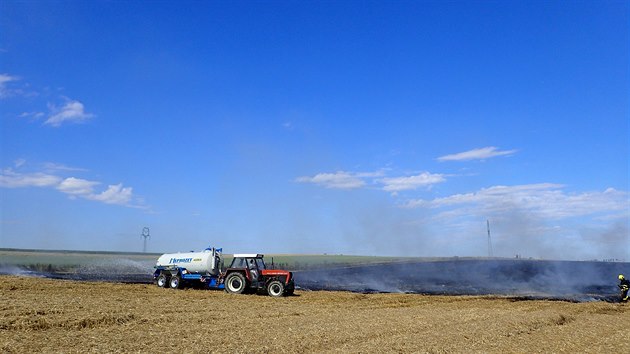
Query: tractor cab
[
  {"x": 248, "y": 261},
  {"x": 253, "y": 264}
]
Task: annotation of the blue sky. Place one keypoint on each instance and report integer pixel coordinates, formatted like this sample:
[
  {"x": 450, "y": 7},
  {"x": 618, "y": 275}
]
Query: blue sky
[{"x": 374, "y": 128}]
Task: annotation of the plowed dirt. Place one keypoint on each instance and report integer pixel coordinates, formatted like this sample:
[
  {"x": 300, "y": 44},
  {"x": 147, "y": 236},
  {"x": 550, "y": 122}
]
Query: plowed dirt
[{"x": 58, "y": 316}]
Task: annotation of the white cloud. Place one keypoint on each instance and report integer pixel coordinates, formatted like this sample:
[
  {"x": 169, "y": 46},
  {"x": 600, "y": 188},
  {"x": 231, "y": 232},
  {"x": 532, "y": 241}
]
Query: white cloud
[
  {"x": 51, "y": 166},
  {"x": 72, "y": 186},
  {"x": 32, "y": 115},
  {"x": 72, "y": 111},
  {"x": 477, "y": 154},
  {"x": 379, "y": 173},
  {"x": 545, "y": 200},
  {"x": 396, "y": 184},
  {"x": 353, "y": 180},
  {"x": 10, "y": 179},
  {"x": 77, "y": 186},
  {"x": 19, "y": 163},
  {"x": 115, "y": 194},
  {"x": 338, "y": 180},
  {"x": 4, "y": 80}
]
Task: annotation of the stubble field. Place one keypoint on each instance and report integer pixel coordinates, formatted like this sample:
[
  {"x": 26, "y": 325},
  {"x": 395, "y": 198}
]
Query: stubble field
[{"x": 45, "y": 315}]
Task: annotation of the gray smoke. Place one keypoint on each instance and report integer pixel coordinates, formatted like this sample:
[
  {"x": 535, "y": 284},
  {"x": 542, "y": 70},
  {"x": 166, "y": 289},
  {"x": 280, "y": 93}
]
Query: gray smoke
[{"x": 566, "y": 280}]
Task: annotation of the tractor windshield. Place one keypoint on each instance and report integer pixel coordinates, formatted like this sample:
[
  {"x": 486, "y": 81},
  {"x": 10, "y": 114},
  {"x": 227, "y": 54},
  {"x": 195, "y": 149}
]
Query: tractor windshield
[
  {"x": 260, "y": 263},
  {"x": 238, "y": 263}
]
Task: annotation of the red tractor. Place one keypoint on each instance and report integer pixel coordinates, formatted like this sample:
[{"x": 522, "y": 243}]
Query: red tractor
[{"x": 248, "y": 273}]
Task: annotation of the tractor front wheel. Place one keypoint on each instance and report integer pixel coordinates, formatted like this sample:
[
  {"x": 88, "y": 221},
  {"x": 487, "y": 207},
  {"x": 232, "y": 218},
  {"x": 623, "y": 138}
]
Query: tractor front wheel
[
  {"x": 235, "y": 283},
  {"x": 275, "y": 288}
]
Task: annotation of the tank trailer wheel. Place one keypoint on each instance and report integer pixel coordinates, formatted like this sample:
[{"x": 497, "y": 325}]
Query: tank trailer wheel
[
  {"x": 235, "y": 283},
  {"x": 161, "y": 280},
  {"x": 175, "y": 282},
  {"x": 275, "y": 288}
]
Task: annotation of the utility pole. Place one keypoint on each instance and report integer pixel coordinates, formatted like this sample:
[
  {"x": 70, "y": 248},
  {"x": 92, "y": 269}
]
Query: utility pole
[
  {"x": 145, "y": 235},
  {"x": 490, "y": 255}
]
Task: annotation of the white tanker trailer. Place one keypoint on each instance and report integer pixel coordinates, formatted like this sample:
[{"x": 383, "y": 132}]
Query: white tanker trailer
[{"x": 176, "y": 269}]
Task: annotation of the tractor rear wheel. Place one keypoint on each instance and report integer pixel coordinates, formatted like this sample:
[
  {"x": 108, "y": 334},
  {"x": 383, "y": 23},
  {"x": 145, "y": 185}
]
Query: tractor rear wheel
[
  {"x": 175, "y": 282},
  {"x": 275, "y": 288},
  {"x": 161, "y": 280},
  {"x": 235, "y": 283}
]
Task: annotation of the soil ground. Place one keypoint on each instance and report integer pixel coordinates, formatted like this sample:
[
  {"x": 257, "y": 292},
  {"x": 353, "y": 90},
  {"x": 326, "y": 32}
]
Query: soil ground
[{"x": 59, "y": 316}]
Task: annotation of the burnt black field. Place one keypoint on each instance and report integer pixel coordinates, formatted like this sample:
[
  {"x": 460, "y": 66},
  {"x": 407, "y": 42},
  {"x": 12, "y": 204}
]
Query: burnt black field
[
  {"x": 521, "y": 279},
  {"x": 562, "y": 280}
]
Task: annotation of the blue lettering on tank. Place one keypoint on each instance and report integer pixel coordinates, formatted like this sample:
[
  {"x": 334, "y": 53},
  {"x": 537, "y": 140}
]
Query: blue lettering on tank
[{"x": 180, "y": 260}]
